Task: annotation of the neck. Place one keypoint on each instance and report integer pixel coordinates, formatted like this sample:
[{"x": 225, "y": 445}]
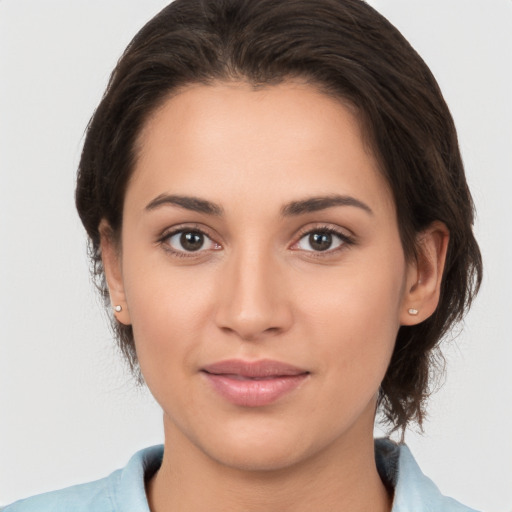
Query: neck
[{"x": 341, "y": 477}]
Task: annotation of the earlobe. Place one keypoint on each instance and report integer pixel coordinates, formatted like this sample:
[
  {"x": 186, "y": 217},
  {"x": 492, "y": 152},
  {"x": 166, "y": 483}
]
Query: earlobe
[
  {"x": 111, "y": 259},
  {"x": 425, "y": 274}
]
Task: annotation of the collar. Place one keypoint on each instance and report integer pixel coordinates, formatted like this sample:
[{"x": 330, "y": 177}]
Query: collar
[{"x": 413, "y": 491}]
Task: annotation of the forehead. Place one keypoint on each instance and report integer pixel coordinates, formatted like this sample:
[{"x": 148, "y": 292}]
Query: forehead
[
  {"x": 288, "y": 137},
  {"x": 299, "y": 110}
]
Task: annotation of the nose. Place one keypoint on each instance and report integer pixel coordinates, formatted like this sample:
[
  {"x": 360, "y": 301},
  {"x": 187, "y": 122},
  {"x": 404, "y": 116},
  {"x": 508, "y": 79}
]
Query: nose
[{"x": 253, "y": 299}]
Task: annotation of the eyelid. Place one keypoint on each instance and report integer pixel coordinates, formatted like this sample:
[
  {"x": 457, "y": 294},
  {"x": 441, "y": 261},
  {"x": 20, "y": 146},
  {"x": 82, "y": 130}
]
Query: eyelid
[
  {"x": 346, "y": 239},
  {"x": 183, "y": 228}
]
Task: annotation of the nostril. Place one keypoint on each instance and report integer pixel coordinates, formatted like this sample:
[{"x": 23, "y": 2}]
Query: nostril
[{"x": 247, "y": 334}]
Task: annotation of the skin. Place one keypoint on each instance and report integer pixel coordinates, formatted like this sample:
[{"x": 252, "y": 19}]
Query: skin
[{"x": 257, "y": 289}]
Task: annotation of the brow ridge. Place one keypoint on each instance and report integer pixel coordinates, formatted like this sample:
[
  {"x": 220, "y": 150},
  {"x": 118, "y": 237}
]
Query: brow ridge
[
  {"x": 188, "y": 202},
  {"x": 314, "y": 204}
]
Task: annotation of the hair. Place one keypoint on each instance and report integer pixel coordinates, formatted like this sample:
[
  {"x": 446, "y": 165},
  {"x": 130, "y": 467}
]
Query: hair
[{"x": 347, "y": 50}]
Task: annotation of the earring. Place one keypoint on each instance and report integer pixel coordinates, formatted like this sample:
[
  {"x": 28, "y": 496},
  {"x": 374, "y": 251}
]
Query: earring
[
  {"x": 118, "y": 308},
  {"x": 413, "y": 311}
]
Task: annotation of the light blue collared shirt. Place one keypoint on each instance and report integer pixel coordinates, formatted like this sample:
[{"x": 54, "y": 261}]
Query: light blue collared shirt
[{"x": 124, "y": 490}]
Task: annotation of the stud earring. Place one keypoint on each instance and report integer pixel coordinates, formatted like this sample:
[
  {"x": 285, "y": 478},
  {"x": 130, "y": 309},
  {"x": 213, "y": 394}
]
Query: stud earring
[
  {"x": 413, "y": 311},
  {"x": 118, "y": 308}
]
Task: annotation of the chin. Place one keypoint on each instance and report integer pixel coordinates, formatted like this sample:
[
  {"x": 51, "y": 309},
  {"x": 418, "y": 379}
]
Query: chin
[
  {"x": 255, "y": 445},
  {"x": 257, "y": 457},
  {"x": 266, "y": 445}
]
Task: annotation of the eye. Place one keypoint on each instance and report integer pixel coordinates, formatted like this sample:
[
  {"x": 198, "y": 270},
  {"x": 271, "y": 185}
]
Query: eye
[
  {"x": 321, "y": 240},
  {"x": 189, "y": 241}
]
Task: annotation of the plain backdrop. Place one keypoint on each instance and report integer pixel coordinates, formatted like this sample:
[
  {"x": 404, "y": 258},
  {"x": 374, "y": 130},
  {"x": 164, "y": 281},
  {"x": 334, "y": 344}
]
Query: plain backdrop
[{"x": 69, "y": 412}]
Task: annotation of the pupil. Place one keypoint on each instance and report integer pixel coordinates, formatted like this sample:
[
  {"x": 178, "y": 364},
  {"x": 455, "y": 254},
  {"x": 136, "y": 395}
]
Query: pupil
[
  {"x": 192, "y": 241},
  {"x": 320, "y": 241}
]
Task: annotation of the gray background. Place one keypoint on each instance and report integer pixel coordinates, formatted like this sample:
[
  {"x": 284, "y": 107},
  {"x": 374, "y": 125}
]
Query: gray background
[{"x": 68, "y": 410}]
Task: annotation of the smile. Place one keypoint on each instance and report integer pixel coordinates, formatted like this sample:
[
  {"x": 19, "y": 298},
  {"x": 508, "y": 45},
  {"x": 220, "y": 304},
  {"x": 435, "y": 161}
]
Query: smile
[{"x": 253, "y": 384}]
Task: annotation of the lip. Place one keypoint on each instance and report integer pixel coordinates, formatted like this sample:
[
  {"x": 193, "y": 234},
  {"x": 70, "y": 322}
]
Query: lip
[{"x": 253, "y": 383}]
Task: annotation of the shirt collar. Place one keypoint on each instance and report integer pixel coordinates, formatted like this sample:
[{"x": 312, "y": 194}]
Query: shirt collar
[
  {"x": 412, "y": 489},
  {"x": 395, "y": 463},
  {"x": 128, "y": 492}
]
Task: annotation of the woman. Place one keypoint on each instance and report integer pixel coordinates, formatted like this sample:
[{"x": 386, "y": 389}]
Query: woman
[{"x": 280, "y": 224}]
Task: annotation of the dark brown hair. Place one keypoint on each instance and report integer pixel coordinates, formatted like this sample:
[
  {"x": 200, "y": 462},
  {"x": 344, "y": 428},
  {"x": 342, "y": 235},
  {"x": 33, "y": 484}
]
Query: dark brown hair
[{"x": 347, "y": 50}]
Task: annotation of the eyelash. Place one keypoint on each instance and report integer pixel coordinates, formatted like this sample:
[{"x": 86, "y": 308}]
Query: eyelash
[
  {"x": 345, "y": 240},
  {"x": 164, "y": 241}
]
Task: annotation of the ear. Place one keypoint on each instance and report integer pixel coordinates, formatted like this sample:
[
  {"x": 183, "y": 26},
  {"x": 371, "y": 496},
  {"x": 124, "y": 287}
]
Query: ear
[
  {"x": 111, "y": 258},
  {"x": 424, "y": 275}
]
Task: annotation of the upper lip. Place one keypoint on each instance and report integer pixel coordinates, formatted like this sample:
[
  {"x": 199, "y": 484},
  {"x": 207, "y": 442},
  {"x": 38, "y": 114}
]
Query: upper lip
[{"x": 255, "y": 369}]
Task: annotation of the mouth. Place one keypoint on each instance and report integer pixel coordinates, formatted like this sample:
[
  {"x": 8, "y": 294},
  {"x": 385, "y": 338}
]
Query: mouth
[{"x": 253, "y": 384}]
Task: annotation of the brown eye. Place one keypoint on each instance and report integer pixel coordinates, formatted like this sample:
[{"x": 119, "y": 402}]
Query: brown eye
[
  {"x": 190, "y": 241},
  {"x": 321, "y": 241}
]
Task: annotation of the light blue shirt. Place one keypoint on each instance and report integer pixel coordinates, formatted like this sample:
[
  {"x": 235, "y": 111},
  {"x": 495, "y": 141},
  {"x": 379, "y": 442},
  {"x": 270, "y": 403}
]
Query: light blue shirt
[{"x": 124, "y": 491}]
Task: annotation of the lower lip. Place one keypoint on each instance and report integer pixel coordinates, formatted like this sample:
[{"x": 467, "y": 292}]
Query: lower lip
[{"x": 254, "y": 393}]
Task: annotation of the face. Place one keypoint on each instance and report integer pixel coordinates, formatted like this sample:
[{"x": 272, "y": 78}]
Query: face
[{"x": 262, "y": 271}]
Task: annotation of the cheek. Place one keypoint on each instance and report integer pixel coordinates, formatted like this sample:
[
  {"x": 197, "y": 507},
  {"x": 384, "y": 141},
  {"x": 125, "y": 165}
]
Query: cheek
[
  {"x": 169, "y": 309},
  {"x": 354, "y": 316},
  {"x": 167, "y": 317}
]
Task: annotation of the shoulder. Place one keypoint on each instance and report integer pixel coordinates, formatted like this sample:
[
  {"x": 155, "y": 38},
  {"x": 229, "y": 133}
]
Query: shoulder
[
  {"x": 91, "y": 496},
  {"x": 123, "y": 488},
  {"x": 412, "y": 489}
]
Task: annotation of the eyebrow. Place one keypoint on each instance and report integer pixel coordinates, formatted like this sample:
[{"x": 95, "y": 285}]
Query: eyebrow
[
  {"x": 315, "y": 204},
  {"x": 309, "y": 205},
  {"x": 189, "y": 203}
]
